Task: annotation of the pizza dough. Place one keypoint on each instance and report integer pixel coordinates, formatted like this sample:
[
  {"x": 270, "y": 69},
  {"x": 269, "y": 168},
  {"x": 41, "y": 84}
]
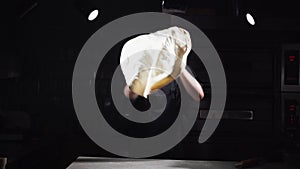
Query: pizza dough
[{"x": 151, "y": 61}]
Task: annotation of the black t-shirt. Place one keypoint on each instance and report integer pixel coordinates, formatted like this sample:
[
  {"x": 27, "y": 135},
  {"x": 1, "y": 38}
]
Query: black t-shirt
[
  {"x": 167, "y": 115},
  {"x": 163, "y": 122},
  {"x": 171, "y": 92}
]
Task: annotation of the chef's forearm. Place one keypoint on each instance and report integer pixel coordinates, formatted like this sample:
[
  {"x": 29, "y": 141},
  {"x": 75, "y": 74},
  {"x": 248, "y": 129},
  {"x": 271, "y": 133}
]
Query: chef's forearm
[
  {"x": 191, "y": 85},
  {"x": 129, "y": 94}
]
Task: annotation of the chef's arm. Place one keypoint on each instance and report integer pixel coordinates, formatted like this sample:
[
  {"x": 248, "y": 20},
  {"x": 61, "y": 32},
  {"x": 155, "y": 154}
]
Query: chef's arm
[
  {"x": 191, "y": 85},
  {"x": 139, "y": 102},
  {"x": 129, "y": 94}
]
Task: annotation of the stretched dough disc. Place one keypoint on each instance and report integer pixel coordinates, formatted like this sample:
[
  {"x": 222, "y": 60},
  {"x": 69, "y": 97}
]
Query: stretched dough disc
[{"x": 151, "y": 61}]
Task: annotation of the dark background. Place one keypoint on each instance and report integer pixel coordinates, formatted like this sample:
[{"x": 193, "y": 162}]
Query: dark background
[{"x": 39, "y": 49}]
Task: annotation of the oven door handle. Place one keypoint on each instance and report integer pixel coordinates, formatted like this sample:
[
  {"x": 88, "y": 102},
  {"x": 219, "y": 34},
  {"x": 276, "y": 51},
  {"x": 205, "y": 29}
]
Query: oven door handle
[{"x": 230, "y": 114}]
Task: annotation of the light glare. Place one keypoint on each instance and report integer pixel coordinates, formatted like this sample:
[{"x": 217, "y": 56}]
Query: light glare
[
  {"x": 93, "y": 15},
  {"x": 250, "y": 19}
]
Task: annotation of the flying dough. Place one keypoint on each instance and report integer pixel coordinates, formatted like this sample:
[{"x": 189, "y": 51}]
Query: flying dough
[{"x": 151, "y": 61}]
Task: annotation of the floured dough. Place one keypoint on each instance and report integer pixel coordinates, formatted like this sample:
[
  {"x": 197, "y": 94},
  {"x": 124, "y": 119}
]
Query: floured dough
[{"x": 151, "y": 61}]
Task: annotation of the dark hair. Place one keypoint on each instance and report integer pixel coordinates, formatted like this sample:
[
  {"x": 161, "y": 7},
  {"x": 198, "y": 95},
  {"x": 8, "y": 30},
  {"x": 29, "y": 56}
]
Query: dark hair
[{"x": 141, "y": 103}]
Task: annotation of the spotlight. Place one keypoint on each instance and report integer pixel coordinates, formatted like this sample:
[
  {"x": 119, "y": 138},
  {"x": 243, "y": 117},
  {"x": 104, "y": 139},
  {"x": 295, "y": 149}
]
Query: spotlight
[
  {"x": 250, "y": 19},
  {"x": 93, "y": 15},
  {"x": 87, "y": 9}
]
